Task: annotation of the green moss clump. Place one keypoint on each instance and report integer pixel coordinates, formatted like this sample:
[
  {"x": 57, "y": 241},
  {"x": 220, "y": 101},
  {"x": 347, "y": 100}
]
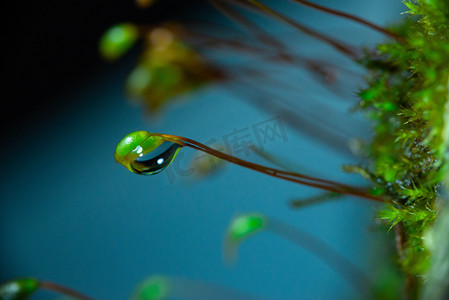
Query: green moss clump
[{"x": 407, "y": 99}]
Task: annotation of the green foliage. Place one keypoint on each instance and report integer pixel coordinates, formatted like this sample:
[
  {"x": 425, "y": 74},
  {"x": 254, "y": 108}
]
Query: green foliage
[
  {"x": 407, "y": 100},
  {"x": 436, "y": 240},
  {"x": 388, "y": 283},
  {"x": 393, "y": 214}
]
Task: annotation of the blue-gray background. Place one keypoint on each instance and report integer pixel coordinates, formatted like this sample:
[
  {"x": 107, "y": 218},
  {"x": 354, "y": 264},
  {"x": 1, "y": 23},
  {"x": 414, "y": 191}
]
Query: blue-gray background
[{"x": 70, "y": 214}]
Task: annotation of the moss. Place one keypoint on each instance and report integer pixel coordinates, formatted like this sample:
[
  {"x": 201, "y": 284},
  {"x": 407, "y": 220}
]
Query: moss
[{"x": 407, "y": 99}]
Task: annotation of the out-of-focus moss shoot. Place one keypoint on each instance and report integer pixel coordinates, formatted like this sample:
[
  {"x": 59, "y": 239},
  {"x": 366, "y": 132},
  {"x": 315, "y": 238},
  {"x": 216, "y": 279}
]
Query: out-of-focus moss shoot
[
  {"x": 241, "y": 228},
  {"x": 154, "y": 288},
  {"x": 144, "y": 153},
  {"x": 19, "y": 289},
  {"x": 161, "y": 38},
  {"x": 138, "y": 80},
  {"x": 144, "y": 3},
  {"x": 168, "y": 68},
  {"x": 244, "y": 226},
  {"x": 117, "y": 40}
]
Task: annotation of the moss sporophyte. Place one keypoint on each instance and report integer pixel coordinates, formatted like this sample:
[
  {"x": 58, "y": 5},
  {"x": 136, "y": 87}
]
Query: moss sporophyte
[{"x": 407, "y": 99}]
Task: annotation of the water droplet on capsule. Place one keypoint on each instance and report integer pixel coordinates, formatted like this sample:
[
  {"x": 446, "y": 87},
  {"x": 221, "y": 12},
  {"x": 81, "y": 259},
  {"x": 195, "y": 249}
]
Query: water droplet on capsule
[
  {"x": 157, "y": 160},
  {"x": 144, "y": 153}
]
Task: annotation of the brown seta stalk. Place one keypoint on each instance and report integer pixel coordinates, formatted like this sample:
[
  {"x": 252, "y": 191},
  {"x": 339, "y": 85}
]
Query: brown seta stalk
[
  {"x": 324, "y": 184},
  {"x": 353, "y": 275},
  {"x": 339, "y": 46},
  {"x": 51, "y": 286},
  {"x": 351, "y": 17},
  {"x": 250, "y": 26}
]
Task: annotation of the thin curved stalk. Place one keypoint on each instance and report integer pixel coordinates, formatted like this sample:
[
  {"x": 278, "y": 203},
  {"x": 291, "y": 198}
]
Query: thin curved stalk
[
  {"x": 201, "y": 39},
  {"x": 351, "y": 17},
  {"x": 304, "y": 122},
  {"x": 301, "y": 203},
  {"x": 273, "y": 159},
  {"x": 63, "y": 290},
  {"x": 358, "y": 279},
  {"x": 328, "y": 185},
  {"x": 257, "y": 31},
  {"x": 339, "y": 46},
  {"x": 267, "y": 39}
]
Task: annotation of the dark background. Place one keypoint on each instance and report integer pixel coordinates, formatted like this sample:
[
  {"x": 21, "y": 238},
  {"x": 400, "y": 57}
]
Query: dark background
[{"x": 53, "y": 46}]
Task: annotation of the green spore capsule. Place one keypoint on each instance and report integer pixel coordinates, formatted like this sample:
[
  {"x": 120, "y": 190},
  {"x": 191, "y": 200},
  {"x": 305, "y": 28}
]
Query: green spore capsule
[
  {"x": 117, "y": 40},
  {"x": 154, "y": 288},
  {"x": 244, "y": 226},
  {"x": 143, "y": 153},
  {"x": 19, "y": 289}
]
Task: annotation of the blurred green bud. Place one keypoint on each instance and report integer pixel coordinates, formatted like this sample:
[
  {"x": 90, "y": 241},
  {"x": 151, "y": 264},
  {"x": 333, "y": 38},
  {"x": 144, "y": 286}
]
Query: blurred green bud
[
  {"x": 18, "y": 289},
  {"x": 117, "y": 40},
  {"x": 154, "y": 288},
  {"x": 138, "y": 80},
  {"x": 168, "y": 68},
  {"x": 246, "y": 225}
]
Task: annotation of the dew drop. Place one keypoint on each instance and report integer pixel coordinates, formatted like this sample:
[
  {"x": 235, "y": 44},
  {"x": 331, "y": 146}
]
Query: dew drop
[{"x": 157, "y": 160}]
